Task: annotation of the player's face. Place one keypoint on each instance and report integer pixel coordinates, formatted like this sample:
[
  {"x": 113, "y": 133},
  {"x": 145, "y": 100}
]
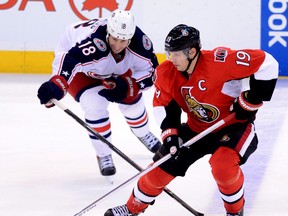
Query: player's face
[
  {"x": 179, "y": 59},
  {"x": 117, "y": 45}
]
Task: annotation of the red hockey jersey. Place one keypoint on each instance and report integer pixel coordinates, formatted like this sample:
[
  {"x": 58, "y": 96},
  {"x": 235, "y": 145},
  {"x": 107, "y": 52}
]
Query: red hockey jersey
[{"x": 218, "y": 78}]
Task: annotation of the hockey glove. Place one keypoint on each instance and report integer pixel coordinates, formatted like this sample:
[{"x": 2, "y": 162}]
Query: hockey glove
[
  {"x": 170, "y": 144},
  {"x": 246, "y": 107},
  {"x": 119, "y": 88},
  {"x": 56, "y": 88}
]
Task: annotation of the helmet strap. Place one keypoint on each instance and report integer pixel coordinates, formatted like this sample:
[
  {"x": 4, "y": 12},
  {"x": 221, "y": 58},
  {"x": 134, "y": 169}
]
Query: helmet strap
[{"x": 191, "y": 60}]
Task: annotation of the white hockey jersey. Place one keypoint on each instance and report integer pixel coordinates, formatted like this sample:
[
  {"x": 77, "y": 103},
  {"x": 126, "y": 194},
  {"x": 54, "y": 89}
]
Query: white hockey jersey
[{"x": 84, "y": 48}]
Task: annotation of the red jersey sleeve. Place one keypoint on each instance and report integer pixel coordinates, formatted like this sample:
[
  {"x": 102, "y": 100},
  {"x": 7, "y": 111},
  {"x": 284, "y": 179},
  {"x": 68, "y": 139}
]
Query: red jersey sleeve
[
  {"x": 162, "y": 82},
  {"x": 238, "y": 63}
]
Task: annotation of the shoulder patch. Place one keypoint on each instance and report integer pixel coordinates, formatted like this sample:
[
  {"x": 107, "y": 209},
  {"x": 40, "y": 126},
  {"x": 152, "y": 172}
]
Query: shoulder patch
[
  {"x": 147, "y": 44},
  {"x": 100, "y": 44},
  {"x": 220, "y": 55}
]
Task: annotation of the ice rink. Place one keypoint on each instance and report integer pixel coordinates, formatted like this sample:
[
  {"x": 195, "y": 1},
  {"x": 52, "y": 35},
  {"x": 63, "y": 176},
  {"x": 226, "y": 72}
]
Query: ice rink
[{"x": 48, "y": 166}]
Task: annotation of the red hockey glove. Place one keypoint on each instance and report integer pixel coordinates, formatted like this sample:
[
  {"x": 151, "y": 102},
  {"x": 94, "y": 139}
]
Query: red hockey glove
[
  {"x": 119, "y": 89},
  {"x": 56, "y": 88},
  {"x": 244, "y": 108},
  {"x": 170, "y": 144}
]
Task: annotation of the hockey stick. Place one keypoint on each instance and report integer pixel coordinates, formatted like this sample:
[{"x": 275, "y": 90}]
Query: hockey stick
[
  {"x": 121, "y": 154},
  {"x": 162, "y": 160},
  {"x": 187, "y": 144}
]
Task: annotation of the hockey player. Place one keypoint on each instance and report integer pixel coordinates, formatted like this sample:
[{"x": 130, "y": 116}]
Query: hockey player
[
  {"x": 207, "y": 85},
  {"x": 101, "y": 61}
]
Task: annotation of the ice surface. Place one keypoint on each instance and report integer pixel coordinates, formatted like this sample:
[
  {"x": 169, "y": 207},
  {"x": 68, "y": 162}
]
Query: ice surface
[{"x": 48, "y": 167}]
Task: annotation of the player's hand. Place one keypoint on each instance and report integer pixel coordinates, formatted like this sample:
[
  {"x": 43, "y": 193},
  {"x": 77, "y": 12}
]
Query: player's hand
[
  {"x": 244, "y": 108},
  {"x": 170, "y": 145},
  {"x": 56, "y": 88},
  {"x": 119, "y": 88}
]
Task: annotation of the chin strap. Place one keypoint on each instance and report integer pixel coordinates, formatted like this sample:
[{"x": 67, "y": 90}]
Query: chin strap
[{"x": 190, "y": 61}]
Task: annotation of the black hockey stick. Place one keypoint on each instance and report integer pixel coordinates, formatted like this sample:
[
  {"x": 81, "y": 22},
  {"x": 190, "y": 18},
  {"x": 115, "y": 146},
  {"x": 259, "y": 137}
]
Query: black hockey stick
[{"x": 121, "y": 154}]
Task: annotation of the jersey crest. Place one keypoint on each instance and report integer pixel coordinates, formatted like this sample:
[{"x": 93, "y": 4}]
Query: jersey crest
[{"x": 204, "y": 112}]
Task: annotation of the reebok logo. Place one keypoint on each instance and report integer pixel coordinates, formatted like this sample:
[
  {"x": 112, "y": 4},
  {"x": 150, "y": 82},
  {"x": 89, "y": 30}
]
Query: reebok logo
[{"x": 277, "y": 22}]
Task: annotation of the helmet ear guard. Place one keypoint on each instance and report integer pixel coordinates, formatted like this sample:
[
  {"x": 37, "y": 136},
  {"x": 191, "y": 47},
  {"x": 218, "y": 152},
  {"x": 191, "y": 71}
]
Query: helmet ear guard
[
  {"x": 121, "y": 24},
  {"x": 182, "y": 37}
]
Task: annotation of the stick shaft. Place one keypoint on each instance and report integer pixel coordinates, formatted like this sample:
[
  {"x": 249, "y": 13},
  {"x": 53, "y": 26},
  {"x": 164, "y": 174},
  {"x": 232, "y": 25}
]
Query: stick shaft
[{"x": 121, "y": 154}]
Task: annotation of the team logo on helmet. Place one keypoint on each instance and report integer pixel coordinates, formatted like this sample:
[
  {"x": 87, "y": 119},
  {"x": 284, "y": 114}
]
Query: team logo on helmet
[
  {"x": 184, "y": 32},
  {"x": 205, "y": 112},
  {"x": 100, "y": 44},
  {"x": 146, "y": 42},
  {"x": 85, "y": 10}
]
